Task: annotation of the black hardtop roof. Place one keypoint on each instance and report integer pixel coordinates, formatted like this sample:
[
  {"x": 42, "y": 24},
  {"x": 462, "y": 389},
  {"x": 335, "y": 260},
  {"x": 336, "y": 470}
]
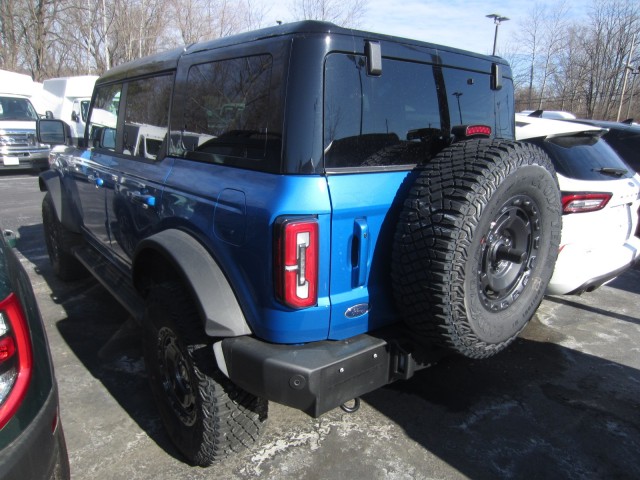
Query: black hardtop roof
[{"x": 168, "y": 60}]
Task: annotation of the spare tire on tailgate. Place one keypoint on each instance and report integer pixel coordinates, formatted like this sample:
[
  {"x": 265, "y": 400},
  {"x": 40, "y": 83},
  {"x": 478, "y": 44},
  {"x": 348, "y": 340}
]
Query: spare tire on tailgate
[{"x": 476, "y": 245}]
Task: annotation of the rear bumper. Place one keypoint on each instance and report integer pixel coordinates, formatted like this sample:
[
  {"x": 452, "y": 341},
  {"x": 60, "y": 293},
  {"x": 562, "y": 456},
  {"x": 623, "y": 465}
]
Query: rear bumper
[
  {"x": 314, "y": 377},
  {"x": 594, "y": 283},
  {"x": 580, "y": 269}
]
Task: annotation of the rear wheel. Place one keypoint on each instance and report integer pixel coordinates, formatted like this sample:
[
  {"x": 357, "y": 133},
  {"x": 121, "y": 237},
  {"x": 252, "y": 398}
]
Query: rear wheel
[
  {"x": 206, "y": 416},
  {"x": 60, "y": 241},
  {"x": 476, "y": 245}
]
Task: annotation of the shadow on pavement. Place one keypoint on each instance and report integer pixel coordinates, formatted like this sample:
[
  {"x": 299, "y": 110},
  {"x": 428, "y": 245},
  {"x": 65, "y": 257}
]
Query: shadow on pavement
[
  {"x": 598, "y": 311},
  {"x": 629, "y": 281},
  {"x": 98, "y": 330},
  {"x": 537, "y": 410}
]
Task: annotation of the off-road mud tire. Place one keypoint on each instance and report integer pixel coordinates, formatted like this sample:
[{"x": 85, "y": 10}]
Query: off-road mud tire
[
  {"x": 476, "y": 245},
  {"x": 205, "y": 415},
  {"x": 60, "y": 242}
]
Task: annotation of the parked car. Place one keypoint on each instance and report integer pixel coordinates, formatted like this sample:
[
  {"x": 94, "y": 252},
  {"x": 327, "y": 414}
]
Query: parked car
[
  {"x": 600, "y": 200},
  {"x": 278, "y": 242},
  {"x": 32, "y": 444}
]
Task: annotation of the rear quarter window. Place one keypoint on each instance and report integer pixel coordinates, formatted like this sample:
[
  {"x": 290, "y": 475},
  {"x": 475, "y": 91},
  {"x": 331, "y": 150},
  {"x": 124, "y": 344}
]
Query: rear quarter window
[{"x": 230, "y": 115}]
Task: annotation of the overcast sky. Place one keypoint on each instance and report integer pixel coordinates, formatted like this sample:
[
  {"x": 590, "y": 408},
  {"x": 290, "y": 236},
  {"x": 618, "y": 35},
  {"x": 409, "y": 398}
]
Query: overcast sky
[{"x": 456, "y": 23}]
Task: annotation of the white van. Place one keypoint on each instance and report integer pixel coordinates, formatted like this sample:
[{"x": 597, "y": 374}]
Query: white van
[
  {"x": 68, "y": 99},
  {"x": 18, "y": 145}
]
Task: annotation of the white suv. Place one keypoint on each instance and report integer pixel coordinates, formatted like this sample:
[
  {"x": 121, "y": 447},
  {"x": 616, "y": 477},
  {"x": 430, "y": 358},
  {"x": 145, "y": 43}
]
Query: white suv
[{"x": 600, "y": 201}]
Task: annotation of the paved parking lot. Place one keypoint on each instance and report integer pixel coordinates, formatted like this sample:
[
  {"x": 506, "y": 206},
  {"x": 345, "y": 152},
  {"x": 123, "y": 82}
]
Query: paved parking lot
[{"x": 562, "y": 402}]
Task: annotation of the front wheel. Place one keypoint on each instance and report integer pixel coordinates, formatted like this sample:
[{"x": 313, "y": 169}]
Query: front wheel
[
  {"x": 206, "y": 416},
  {"x": 476, "y": 245},
  {"x": 60, "y": 242}
]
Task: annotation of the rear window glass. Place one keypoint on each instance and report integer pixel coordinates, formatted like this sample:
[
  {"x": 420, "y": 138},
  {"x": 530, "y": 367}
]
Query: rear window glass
[
  {"x": 627, "y": 144},
  {"x": 585, "y": 157},
  {"x": 405, "y": 115}
]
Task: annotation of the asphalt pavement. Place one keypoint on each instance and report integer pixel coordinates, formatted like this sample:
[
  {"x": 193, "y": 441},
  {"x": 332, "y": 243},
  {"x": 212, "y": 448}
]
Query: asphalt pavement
[{"x": 562, "y": 402}]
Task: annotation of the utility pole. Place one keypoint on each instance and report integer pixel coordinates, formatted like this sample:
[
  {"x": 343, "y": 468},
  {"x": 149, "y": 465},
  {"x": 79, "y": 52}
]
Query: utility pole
[
  {"x": 106, "y": 36},
  {"x": 634, "y": 72},
  {"x": 626, "y": 74}
]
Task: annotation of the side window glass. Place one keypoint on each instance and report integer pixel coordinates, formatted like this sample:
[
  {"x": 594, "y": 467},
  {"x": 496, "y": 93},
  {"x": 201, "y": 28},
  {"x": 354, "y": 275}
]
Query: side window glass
[
  {"x": 104, "y": 117},
  {"x": 229, "y": 117},
  {"x": 393, "y": 119},
  {"x": 147, "y": 116},
  {"x": 84, "y": 109}
]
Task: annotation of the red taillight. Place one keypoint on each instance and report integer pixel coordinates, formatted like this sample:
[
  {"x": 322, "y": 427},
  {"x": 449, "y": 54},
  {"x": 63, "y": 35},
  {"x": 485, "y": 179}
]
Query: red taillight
[
  {"x": 584, "y": 202},
  {"x": 16, "y": 358},
  {"x": 296, "y": 262},
  {"x": 7, "y": 349}
]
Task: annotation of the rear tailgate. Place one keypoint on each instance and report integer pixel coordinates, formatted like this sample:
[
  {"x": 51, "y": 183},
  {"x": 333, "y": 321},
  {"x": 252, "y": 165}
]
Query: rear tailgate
[{"x": 362, "y": 228}]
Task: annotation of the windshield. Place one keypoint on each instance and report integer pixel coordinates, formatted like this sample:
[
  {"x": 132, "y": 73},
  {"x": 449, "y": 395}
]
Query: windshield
[{"x": 12, "y": 108}]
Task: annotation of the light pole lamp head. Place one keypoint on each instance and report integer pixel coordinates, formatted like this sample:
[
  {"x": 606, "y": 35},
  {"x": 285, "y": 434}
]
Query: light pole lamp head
[{"x": 497, "y": 18}]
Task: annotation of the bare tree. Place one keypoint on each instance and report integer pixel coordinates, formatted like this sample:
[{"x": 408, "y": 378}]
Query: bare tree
[
  {"x": 198, "y": 20},
  {"x": 612, "y": 25},
  {"x": 569, "y": 73},
  {"x": 347, "y": 13},
  {"x": 30, "y": 35},
  {"x": 137, "y": 26},
  {"x": 553, "y": 42},
  {"x": 8, "y": 36},
  {"x": 578, "y": 66},
  {"x": 530, "y": 40},
  {"x": 190, "y": 20}
]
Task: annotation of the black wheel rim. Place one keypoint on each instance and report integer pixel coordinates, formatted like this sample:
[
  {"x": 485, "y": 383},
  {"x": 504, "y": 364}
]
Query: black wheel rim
[
  {"x": 508, "y": 253},
  {"x": 52, "y": 239},
  {"x": 176, "y": 376}
]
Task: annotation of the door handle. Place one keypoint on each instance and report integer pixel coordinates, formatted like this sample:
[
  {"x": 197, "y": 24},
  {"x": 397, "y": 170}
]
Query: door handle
[
  {"x": 360, "y": 252},
  {"x": 143, "y": 199}
]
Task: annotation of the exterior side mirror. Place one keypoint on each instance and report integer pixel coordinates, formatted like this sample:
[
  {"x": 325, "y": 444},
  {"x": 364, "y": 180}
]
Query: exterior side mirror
[{"x": 52, "y": 132}]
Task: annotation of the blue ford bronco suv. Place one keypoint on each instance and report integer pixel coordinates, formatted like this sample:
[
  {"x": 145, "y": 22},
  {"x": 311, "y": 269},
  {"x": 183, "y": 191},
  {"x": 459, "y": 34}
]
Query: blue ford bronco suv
[{"x": 302, "y": 214}]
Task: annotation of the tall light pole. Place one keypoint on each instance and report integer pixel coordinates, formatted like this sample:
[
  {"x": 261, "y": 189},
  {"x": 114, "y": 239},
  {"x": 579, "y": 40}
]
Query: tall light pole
[
  {"x": 634, "y": 72},
  {"x": 627, "y": 67},
  {"x": 497, "y": 19},
  {"x": 458, "y": 95}
]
